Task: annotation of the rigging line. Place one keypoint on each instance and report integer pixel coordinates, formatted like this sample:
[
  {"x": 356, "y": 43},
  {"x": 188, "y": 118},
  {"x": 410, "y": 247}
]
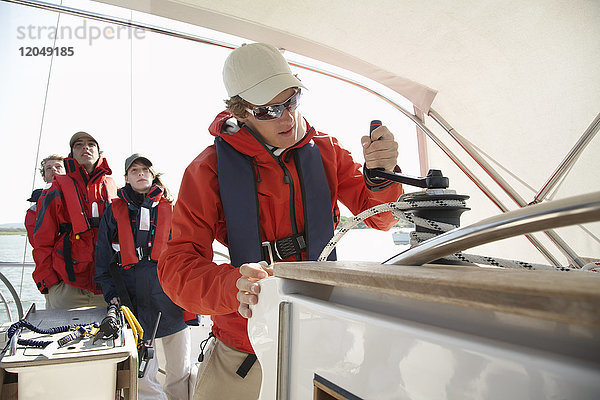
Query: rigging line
[
  {"x": 496, "y": 177},
  {"x": 570, "y": 159},
  {"x": 217, "y": 43},
  {"x": 589, "y": 233},
  {"x": 549, "y": 197},
  {"x": 130, "y": 86},
  {"x": 499, "y": 165},
  {"x": 554, "y": 193},
  {"x": 37, "y": 154}
]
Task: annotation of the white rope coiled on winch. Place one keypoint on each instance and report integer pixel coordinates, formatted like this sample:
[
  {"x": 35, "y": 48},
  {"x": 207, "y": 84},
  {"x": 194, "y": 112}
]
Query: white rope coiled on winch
[{"x": 402, "y": 210}]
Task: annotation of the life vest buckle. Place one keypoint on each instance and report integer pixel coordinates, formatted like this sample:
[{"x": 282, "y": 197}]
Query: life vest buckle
[
  {"x": 283, "y": 248},
  {"x": 143, "y": 252},
  {"x": 268, "y": 252}
]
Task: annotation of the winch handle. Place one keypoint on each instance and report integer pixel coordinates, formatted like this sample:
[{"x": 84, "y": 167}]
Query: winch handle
[
  {"x": 371, "y": 172},
  {"x": 374, "y": 125},
  {"x": 434, "y": 179}
]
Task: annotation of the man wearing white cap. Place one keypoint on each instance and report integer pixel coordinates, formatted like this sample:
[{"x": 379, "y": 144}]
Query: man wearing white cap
[
  {"x": 67, "y": 225},
  {"x": 267, "y": 189}
]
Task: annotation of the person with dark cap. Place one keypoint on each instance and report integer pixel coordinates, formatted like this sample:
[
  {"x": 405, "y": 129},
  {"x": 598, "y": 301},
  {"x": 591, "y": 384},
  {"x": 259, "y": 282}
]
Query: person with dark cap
[
  {"x": 133, "y": 231},
  {"x": 268, "y": 189},
  {"x": 67, "y": 225},
  {"x": 50, "y": 166}
]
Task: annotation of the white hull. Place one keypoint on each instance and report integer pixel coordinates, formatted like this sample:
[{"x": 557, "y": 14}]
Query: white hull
[{"x": 384, "y": 343}]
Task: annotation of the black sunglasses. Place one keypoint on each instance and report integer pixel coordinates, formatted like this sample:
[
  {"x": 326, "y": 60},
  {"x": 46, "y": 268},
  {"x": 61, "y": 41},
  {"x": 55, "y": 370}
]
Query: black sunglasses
[{"x": 274, "y": 111}]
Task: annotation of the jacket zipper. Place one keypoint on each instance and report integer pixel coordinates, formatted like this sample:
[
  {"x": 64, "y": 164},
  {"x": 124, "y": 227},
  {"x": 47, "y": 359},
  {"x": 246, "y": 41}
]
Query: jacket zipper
[
  {"x": 287, "y": 178},
  {"x": 256, "y": 172}
]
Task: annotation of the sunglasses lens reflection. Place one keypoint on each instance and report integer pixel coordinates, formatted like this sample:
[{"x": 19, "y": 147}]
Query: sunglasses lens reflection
[
  {"x": 268, "y": 112},
  {"x": 274, "y": 111}
]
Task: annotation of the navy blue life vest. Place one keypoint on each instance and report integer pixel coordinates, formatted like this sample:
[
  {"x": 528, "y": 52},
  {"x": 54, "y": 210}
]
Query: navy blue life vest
[{"x": 237, "y": 188}]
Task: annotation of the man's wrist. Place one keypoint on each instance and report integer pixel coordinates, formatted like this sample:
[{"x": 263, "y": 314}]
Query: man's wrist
[{"x": 376, "y": 183}]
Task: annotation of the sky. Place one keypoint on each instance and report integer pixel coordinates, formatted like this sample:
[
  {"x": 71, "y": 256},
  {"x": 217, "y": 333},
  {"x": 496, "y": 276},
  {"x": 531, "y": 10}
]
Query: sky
[{"x": 151, "y": 94}]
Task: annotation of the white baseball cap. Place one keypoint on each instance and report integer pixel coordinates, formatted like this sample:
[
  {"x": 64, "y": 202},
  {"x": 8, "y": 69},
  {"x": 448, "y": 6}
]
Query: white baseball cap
[{"x": 257, "y": 72}]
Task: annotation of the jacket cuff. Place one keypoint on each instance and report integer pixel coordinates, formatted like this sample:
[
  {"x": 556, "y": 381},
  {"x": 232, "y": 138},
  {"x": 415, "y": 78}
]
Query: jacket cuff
[
  {"x": 231, "y": 287},
  {"x": 376, "y": 184},
  {"x": 190, "y": 318},
  {"x": 110, "y": 294},
  {"x": 46, "y": 282}
]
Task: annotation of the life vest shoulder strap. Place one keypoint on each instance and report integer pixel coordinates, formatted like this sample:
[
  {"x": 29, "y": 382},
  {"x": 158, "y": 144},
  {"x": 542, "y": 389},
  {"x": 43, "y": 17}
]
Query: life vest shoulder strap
[
  {"x": 238, "y": 192},
  {"x": 129, "y": 255},
  {"x": 163, "y": 231},
  {"x": 73, "y": 203},
  {"x": 126, "y": 242},
  {"x": 316, "y": 197},
  {"x": 111, "y": 188}
]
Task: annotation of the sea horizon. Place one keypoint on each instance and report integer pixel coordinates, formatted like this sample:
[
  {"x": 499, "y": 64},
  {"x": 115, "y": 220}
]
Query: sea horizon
[{"x": 355, "y": 245}]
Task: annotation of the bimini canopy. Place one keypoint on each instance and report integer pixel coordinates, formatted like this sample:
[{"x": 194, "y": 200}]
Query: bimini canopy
[{"x": 519, "y": 80}]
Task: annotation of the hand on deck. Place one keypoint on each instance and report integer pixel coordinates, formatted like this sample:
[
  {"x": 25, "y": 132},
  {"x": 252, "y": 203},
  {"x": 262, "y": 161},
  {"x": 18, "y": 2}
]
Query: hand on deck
[
  {"x": 249, "y": 287},
  {"x": 380, "y": 150}
]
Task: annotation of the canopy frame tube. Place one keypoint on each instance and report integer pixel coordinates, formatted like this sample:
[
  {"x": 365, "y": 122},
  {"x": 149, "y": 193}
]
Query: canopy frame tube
[
  {"x": 564, "y": 167},
  {"x": 574, "y": 259}
]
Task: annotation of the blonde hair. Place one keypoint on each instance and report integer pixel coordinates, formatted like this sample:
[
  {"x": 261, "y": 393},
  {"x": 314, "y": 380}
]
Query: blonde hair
[
  {"x": 45, "y": 160},
  {"x": 238, "y": 107}
]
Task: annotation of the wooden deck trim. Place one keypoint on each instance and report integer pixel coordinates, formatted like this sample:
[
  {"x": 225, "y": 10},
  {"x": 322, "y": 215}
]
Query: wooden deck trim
[{"x": 569, "y": 297}]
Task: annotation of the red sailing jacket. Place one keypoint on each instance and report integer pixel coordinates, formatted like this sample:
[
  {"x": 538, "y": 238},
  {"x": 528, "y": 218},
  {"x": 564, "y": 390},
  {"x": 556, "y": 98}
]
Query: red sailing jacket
[
  {"x": 30, "y": 217},
  {"x": 185, "y": 269},
  {"x": 68, "y": 216}
]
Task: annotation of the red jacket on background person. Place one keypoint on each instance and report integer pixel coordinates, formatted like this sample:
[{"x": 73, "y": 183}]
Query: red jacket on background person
[
  {"x": 50, "y": 166},
  {"x": 68, "y": 215},
  {"x": 31, "y": 215},
  {"x": 186, "y": 271}
]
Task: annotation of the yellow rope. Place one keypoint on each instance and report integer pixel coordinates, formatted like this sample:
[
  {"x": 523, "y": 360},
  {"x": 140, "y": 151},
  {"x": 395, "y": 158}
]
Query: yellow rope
[{"x": 138, "y": 332}]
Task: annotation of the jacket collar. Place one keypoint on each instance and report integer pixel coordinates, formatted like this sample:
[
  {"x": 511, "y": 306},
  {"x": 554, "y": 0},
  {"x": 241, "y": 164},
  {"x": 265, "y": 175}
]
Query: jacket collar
[
  {"x": 75, "y": 170},
  {"x": 151, "y": 199},
  {"x": 241, "y": 137}
]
